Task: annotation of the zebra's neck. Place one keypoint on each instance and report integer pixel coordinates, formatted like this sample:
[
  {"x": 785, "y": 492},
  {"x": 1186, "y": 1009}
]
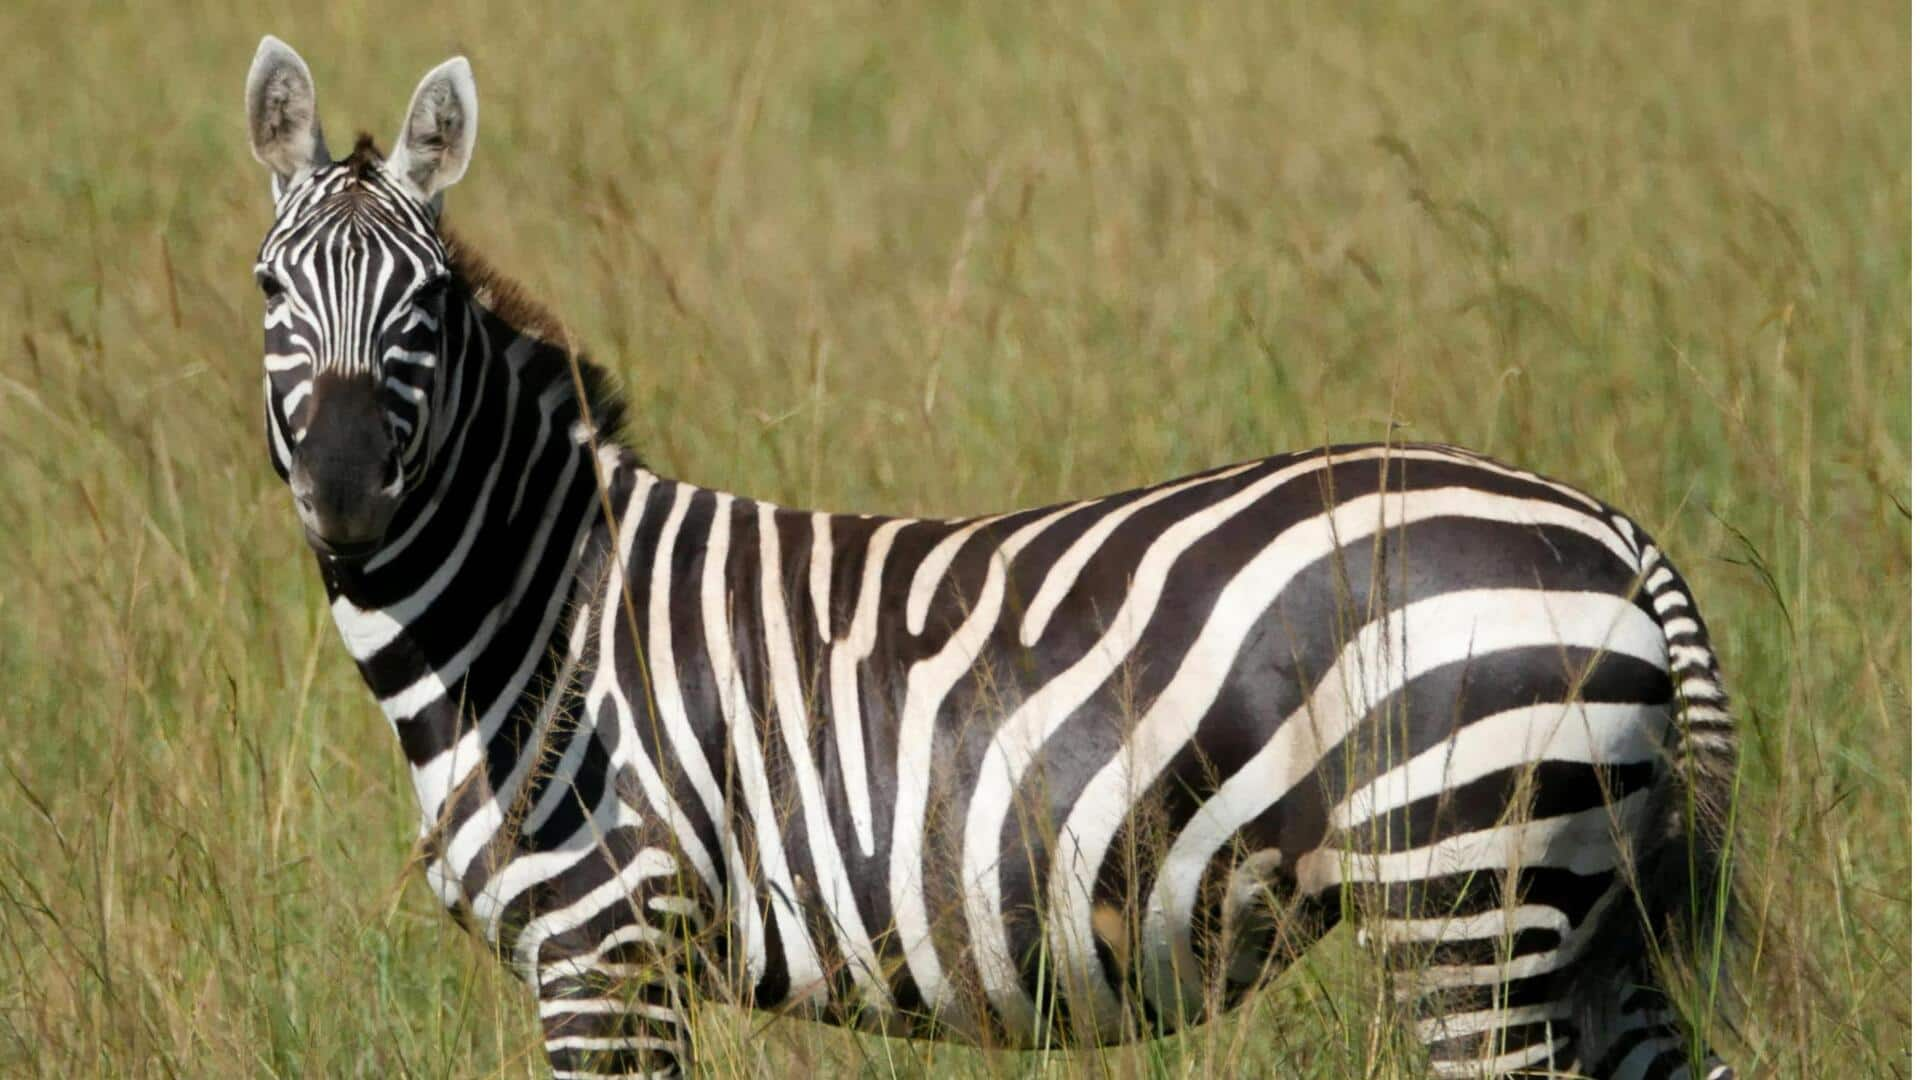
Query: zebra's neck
[{"x": 460, "y": 612}]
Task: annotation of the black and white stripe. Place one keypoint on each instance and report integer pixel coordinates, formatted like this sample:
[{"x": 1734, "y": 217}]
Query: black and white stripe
[{"x": 1074, "y": 774}]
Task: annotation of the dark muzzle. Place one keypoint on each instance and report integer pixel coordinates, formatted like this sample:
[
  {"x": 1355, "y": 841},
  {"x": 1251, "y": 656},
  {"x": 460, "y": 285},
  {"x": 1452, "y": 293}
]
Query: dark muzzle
[{"x": 345, "y": 475}]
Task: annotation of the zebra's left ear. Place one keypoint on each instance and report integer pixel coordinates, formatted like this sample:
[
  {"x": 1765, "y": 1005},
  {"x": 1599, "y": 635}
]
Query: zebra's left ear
[{"x": 436, "y": 137}]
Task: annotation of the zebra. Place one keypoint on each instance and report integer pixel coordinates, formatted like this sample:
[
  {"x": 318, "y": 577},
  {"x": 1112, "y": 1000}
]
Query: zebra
[{"x": 1070, "y": 775}]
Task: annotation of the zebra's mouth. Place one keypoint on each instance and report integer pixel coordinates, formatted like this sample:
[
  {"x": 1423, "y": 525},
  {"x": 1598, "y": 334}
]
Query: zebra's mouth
[{"x": 341, "y": 550}]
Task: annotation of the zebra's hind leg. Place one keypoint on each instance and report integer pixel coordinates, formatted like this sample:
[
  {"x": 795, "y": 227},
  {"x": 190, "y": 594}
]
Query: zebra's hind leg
[
  {"x": 1486, "y": 982},
  {"x": 598, "y": 1023},
  {"x": 1498, "y": 968},
  {"x": 1640, "y": 1037}
]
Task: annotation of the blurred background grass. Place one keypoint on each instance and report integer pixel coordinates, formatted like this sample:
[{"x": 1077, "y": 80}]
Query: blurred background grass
[{"x": 943, "y": 261}]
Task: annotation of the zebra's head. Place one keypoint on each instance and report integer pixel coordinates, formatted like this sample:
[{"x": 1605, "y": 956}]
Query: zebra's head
[{"x": 355, "y": 274}]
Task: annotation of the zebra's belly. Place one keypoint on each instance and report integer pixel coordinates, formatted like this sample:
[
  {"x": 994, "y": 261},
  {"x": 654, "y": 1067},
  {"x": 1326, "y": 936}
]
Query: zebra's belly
[{"x": 1141, "y": 981}]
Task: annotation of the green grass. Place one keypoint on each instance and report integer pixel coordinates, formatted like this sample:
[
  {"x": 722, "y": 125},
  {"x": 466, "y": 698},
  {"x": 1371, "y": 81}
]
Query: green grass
[{"x": 942, "y": 261}]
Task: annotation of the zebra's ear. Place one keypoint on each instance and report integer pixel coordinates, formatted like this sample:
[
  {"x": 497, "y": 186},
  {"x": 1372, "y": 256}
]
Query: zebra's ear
[
  {"x": 283, "y": 121},
  {"x": 436, "y": 137}
]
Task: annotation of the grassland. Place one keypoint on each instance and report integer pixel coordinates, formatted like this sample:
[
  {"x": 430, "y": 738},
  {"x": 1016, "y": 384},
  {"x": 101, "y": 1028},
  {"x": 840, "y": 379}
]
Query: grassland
[{"x": 938, "y": 261}]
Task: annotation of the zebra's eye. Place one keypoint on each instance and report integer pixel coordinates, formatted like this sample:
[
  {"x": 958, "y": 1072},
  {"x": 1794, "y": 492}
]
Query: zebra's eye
[
  {"x": 431, "y": 291},
  {"x": 271, "y": 288}
]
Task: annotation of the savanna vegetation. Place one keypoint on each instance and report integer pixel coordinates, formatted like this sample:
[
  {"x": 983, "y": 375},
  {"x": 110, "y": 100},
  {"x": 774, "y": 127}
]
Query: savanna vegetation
[{"x": 942, "y": 260}]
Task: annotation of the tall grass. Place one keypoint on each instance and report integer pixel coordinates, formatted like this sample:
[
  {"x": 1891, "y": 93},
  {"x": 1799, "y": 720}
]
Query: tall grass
[{"x": 876, "y": 258}]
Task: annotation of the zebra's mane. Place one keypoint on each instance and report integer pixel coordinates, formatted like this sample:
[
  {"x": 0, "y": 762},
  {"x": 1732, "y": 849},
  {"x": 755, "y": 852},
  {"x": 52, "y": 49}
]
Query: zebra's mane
[
  {"x": 502, "y": 295},
  {"x": 366, "y": 156},
  {"x": 510, "y": 302}
]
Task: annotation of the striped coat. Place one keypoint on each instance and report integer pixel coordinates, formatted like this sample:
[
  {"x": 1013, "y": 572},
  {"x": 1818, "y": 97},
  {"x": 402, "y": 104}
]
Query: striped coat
[{"x": 1073, "y": 774}]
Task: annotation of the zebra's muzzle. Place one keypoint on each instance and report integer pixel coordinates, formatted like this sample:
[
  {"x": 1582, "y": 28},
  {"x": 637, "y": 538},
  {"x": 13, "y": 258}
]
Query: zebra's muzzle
[
  {"x": 344, "y": 550},
  {"x": 341, "y": 524},
  {"x": 346, "y": 475}
]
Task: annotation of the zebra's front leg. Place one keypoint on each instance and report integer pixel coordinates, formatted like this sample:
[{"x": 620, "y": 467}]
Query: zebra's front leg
[
  {"x": 614, "y": 974},
  {"x": 608, "y": 1020}
]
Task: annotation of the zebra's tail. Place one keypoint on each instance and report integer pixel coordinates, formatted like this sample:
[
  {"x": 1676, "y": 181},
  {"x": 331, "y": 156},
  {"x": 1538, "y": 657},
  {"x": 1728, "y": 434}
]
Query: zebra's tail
[
  {"x": 1684, "y": 902},
  {"x": 1686, "y": 876}
]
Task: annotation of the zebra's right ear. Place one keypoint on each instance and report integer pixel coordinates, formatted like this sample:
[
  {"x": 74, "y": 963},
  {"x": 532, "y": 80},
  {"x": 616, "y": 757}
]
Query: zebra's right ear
[{"x": 283, "y": 120}]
